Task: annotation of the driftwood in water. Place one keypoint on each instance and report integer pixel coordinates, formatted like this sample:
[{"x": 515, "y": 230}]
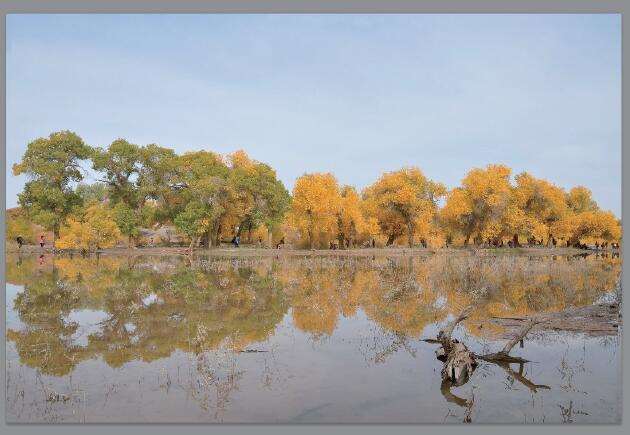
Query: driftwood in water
[{"x": 460, "y": 362}]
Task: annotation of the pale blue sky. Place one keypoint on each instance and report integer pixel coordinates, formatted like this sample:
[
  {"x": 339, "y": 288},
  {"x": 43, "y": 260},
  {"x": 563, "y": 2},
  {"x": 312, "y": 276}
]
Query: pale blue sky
[{"x": 356, "y": 95}]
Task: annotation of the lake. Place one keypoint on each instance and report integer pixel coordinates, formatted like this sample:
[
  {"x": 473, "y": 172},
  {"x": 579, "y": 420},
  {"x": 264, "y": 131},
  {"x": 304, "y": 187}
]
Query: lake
[{"x": 301, "y": 338}]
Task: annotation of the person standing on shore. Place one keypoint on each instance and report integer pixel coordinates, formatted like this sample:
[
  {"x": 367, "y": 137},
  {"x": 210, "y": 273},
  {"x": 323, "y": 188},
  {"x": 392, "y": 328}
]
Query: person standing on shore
[{"x": 41, "y": 241}]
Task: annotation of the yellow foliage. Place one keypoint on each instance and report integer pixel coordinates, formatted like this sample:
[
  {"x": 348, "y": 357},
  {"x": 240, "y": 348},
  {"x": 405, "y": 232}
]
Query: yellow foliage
[
  {"x": 96, "y": 230},
  {"x": 404, "y": 202},
  {"x": 18, "y": 225},
  {"x": 316, "y": 204},
  {"x": 481, "y": 204},
  {"x": 596, "y": 226}
]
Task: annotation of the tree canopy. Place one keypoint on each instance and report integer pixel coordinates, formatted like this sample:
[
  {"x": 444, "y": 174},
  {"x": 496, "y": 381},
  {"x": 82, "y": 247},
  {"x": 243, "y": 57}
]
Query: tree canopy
[
  {"x": 52, "y": 164},
  {"x": 207, "y": 197}
]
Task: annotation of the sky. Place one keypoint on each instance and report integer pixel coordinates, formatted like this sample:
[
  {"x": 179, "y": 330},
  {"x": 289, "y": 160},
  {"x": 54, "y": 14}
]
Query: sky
[{"x": 355, "y": 95}]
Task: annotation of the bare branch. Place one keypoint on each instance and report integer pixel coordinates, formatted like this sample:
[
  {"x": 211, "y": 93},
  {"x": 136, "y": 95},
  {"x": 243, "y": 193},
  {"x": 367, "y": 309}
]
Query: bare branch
[
  {"x": 448, "y": 331},
  {"x": 520, "y": 335}
]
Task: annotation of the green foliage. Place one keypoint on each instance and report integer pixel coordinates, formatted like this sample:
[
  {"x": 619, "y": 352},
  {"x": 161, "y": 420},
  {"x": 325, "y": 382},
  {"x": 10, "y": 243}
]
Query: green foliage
[
  {"x": 89, "y": 193},
  {"x": 52, "y": 164},
  {"x": 120, "y": 164},
  {"x": 55, "y": 158},
  {"x": 157, "y": 181},
  {"x": 264, "y": 197},
  {"x": 48, "y": 205},
  {"x": 193, "y": 220},
  {"x": 127, "y": 220}
]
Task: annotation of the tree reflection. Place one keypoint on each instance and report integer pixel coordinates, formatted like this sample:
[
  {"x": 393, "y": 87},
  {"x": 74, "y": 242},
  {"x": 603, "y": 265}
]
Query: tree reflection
[{"x": 157, "y": 305}]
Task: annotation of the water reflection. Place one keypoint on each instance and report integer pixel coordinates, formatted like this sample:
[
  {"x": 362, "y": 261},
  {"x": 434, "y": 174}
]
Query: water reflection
[{"x": 139, "y": 308}]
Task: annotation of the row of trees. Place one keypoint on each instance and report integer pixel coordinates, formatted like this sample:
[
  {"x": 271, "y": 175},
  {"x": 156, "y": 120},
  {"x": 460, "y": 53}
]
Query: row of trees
[
  {"x": 488, "y": 208},
  {"x": 209, "y": 197},
  {"x": 204, "y": 194}
]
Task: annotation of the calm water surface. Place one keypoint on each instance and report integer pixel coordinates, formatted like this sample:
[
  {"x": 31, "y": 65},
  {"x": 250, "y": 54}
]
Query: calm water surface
[{"x": 299, "y": 339}]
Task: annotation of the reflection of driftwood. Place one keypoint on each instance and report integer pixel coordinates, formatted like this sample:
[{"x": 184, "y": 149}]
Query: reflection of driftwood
[
  {"x": 594, "y": 320},
  {"x": 521, "y": 378},
  {"x": 445, "y": 388}
]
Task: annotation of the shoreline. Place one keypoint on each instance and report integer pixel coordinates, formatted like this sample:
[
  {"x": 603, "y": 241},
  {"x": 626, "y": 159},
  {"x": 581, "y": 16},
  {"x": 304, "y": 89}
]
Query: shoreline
[{"x": 246, "y": 251}]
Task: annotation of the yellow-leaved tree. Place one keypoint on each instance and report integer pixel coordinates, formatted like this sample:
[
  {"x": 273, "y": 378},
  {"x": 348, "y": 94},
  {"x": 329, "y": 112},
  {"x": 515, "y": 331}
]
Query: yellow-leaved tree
[
  {"x": 96, "y": 229},
  {"x": 543, "y": 206},
  {"x": 350, "y": 220},
  {"x": 594, "y": 226},
  {"x": 405, "y": 202},
  {"x": 315, "y": 207},
  {"x": 478, "y": 208},
  {"x": 584, "y": 222}
]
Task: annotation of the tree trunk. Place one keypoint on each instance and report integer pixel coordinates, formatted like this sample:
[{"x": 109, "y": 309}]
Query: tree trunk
[
  {"x": 410, "y": 231},
  {"x": 310, "y": 229},
  {"x": 310, "y": 238},
  {"x": 55, "y": 234},
  {"x": 217, "y": 236},
  {"x": 205, "y": 240},
  {"x": 390, "y": 240},
  {"x": 342, "y": 241}
]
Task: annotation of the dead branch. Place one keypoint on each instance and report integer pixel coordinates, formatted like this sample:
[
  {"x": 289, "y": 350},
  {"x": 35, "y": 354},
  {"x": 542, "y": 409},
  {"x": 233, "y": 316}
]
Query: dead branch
[
  {"x": 447, "y": 332},
  {"x": 520, "y": 335},
  {"x": 504, "y": 356}
]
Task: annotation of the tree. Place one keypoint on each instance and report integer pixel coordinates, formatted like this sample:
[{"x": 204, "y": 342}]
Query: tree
[
  {"x": 350, "y": 219},
  {"x": 580, "y": 199},
  {"x": 479, "y": 205},
  {"x": 315, "y": 206},
  {"x": 120, "y": 164},
  {"x": 600, "y": 226},
  {"x": 203, "y": 178},
  {"x": 585, "y": 222},
  {"x": 405, "y": 200},
  {"x": 157, "y": 181},
  {"x": 96, "y": 229},
  {"x": 193, "y": 221},
  {"x": 52, "y": 164},
  {"x": 263, "y": 198},
  {"x": 127, "y": 220},
  {"x": 543, "y": 205}
]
